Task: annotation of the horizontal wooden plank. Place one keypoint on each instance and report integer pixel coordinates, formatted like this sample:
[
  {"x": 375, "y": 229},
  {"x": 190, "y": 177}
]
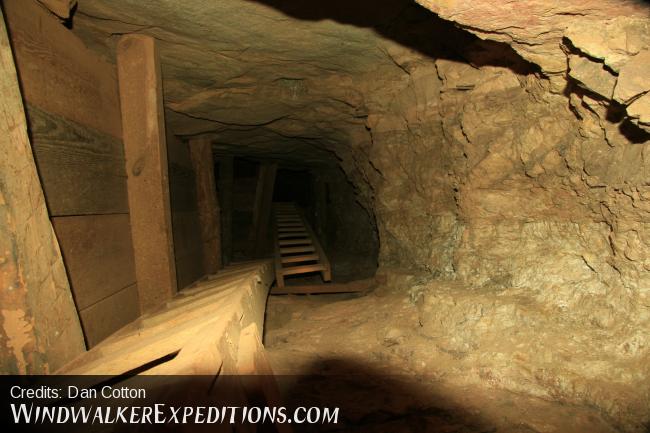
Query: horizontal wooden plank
[
  {"x": 98, "y": 255},
  {"x": 110, "y": 314},
  {"x": 292, "y": 235},
  {"x": 292, "y": 250},
  {"x": 351, "y": 287},
  {"x": 199, "y": 329},
  {"x": 58, "y": 73},
  {"x": 296, "y": 224},
  {"x": 81, "y": 170},
  {"x": 303, "y": 269},
  {"x": 298, "y": 259},
  {"x": 291, "y": 230},
  {"x": 287, "y": 242}
]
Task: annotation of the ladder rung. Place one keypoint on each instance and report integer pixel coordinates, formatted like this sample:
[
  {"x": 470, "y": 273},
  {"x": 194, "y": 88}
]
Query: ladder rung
[
  {"x": 290, "y": 225},
  {"x": 292, "y": 235},
  {"x": 287, "y": 242},
  {"x": 303, "y": 269},
  {"x": 291, "y": 229},
  {"x": 303, "y": 258},
  {"x": 303, "y": 249}
]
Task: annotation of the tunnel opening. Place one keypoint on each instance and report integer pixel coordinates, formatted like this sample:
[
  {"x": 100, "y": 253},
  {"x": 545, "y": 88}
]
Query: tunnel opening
[
  {"x": 476, "y": 179},
  {"x": 324, "y": 197}
]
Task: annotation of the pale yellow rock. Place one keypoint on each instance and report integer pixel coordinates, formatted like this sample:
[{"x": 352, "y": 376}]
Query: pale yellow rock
[{"x": 634, "y": 78}]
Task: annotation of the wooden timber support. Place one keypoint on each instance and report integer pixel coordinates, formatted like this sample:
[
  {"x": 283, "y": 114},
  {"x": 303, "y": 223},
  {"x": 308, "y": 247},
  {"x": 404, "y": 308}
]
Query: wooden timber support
[
  {"x": 262, "y": 209},
  {"x": 207, "y": 201},
  {"x": 297, "y": 250},
  {"x": 145, "y": 149}
]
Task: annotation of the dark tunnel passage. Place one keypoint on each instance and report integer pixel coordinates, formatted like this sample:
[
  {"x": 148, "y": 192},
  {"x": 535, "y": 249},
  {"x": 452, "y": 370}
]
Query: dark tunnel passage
[{"x": 347, "y": 231}]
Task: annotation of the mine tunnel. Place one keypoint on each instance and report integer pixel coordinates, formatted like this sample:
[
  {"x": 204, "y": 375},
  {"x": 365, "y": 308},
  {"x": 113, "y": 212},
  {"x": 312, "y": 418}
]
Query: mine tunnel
[{"x": 425, "y": 215}]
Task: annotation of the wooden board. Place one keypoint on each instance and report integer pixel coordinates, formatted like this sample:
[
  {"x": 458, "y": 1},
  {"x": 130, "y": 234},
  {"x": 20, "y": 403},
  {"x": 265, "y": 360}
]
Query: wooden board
[
  {"x": 207, "y": 201},
  {"x": 82, "y": 170},
  {"x": 58, "y": 73},
  {"x": 110, "y": 314},
  {"x": 40, "y": 328},
  {"x": 312, "y": 289},
  {"x": 202, "y": 327},
  {"x": 145, "y": 150},
  {"x": 98, "y": 255},
  {"x": 262, "y": 210}
]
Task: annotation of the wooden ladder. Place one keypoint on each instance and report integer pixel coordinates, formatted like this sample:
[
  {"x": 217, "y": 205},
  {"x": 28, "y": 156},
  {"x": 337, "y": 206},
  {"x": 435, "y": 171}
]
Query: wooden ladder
[{"x": 297, "y": 250}]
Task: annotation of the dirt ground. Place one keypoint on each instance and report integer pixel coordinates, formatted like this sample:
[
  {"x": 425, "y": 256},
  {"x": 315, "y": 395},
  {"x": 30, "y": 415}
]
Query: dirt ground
[{"x": 355, "y": 352}]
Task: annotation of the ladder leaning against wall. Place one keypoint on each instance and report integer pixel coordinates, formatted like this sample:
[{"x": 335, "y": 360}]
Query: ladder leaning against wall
[{"x": 297, "y": 250}]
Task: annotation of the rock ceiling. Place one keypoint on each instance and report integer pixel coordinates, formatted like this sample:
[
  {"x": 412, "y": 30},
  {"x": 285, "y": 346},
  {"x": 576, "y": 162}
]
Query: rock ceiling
[
  {"x": 255, "y": 76},
  {"x": 292, "y": 79}
]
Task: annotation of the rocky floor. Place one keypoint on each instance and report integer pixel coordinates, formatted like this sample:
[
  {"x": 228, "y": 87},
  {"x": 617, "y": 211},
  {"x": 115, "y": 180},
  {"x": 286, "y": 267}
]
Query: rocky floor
[{"x": 371, "y": 355}]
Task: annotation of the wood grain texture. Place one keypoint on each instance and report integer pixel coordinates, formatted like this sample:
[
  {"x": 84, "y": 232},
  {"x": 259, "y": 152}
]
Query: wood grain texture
[
  {"x": 98, "y": 255},
  {"x": 110, "y": 314},
  {"x": 40, "y": 328},
  {"x": 201, "y": 325},
  {"x": 58, "y": 73},
  {"x": 207, "y": 201},
  {"x": 145, "y": 149},
  {"x": 82, "y": 170}
]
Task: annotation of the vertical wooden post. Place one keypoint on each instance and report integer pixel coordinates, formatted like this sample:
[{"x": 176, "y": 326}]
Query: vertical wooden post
[
  {"x": 262, "y": 209},
  {"x": 145, "y": 150},
  {"x": 208, "y": 203},
  {"x": 225, "y": 186}
]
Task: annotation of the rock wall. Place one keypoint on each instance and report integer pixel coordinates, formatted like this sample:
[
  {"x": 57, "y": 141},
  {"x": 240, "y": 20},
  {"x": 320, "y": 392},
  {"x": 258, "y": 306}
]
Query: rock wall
[
  {"x": 346, "y": 231},
  {"x": 528, "y": 187}
]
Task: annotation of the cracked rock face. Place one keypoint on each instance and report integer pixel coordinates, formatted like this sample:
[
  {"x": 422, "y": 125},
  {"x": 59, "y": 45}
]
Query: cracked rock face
[{"x": 503, "y": 147}]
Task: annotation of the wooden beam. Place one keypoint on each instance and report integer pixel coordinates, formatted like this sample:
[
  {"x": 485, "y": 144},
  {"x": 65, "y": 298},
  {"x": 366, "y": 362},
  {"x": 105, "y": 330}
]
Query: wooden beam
[
  {"x": 303, "y": 269},
  {"x": 145, "y": 149},
  {"x": 351, "y": 287},
  {"x": 262, "y": 210},
  {"x": 225, "y": 186},
  {"x": 207, "y": 201},
  {"x": 41, "y": 330}
]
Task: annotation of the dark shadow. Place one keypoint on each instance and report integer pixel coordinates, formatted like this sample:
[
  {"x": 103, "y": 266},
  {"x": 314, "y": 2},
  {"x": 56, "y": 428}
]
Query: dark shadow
[
  {"x": 367, "y": 401},
  {"x": 615, "y": 111},
  {"x": 370, "y": 400},
  {"x": 412, "y": 26},
  {"x": 616, "y": 114}
]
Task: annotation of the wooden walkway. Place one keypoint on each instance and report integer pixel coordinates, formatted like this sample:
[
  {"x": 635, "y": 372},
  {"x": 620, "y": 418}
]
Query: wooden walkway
[
  {"x": 297, "y": 250},
  {"x": 211, "y": 330}
]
